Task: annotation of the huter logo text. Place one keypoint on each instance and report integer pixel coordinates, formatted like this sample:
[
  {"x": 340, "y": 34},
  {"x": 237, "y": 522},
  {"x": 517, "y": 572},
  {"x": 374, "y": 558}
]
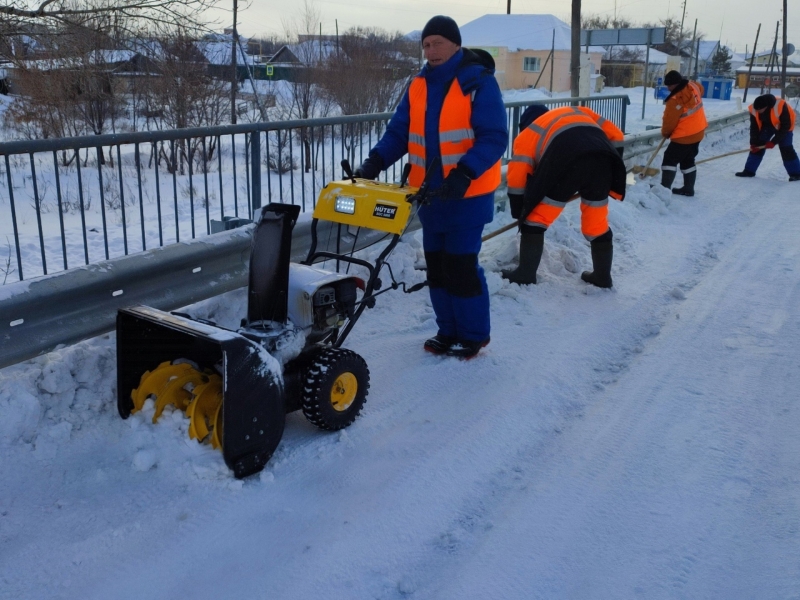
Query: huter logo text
[{"x": 384, "y": 211}]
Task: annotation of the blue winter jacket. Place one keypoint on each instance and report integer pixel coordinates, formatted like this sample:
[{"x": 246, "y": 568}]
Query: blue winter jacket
[{"x": 491, "y": 138}]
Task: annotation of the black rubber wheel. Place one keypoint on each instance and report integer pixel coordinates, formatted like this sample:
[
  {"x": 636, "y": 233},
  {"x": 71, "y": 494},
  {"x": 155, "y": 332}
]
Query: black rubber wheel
[{"x": 335, "y": 388}]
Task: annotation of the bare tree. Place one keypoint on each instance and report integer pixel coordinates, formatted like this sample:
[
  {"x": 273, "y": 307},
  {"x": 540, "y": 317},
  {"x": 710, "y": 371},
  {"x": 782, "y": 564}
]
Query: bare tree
[
  {"x": 368, "y": 73},
  {"x": 27, "y": 17},
  {"x": 597, "y": 21},
  {"x": 70, "y": 90},
  {"x": 305, "y": 100},
  {"x": 183, "y": 94}
]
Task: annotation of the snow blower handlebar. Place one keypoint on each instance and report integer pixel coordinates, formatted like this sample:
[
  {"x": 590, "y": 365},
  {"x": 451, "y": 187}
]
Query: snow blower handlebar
[
  {"x": 348, "y": 170},
  {"x": 421, "y": 196}
]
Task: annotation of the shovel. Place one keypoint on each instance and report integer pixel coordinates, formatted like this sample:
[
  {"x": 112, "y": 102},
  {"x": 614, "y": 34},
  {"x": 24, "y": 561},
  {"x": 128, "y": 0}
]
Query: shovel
[{"x": 646, "y": 171}]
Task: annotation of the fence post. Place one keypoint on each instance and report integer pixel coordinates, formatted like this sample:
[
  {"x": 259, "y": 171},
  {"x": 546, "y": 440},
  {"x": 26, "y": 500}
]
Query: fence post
[
  {"x": 624, "y": 114},
  {"x": 255, "y": 171}
]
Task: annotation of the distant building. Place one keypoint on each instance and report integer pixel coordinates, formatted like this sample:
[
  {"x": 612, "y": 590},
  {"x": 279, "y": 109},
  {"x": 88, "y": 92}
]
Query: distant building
[
  {"x": 624, "y": 66},
  {"x": 521, "y": 45}
]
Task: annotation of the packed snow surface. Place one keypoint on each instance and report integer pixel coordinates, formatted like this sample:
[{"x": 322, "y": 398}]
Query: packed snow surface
[{"x": 639, "y": 442}]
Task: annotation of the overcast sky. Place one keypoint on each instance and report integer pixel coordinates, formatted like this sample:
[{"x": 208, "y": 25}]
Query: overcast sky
[{"x": 738, "y": 24}]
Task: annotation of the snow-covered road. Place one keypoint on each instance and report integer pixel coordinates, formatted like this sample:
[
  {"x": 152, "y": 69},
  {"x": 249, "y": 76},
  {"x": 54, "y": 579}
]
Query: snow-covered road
[{"x": 633, "y": 443}]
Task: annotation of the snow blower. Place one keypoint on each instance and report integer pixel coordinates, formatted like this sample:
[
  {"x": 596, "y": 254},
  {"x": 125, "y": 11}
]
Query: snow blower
[{"x": 236, "y": 386}]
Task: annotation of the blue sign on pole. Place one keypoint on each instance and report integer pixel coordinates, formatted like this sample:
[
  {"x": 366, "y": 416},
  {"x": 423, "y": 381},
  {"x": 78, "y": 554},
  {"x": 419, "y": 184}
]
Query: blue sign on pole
[{"x": 660, "y": 81}]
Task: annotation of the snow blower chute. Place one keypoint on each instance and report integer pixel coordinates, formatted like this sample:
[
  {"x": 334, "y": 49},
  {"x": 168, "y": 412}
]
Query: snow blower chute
[{"x": 236, "y": 386}]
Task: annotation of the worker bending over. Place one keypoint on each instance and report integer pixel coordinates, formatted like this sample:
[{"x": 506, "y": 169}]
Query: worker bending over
[
  {"x": 564, "y": 154},
  {"x": 771, "y": 124}
]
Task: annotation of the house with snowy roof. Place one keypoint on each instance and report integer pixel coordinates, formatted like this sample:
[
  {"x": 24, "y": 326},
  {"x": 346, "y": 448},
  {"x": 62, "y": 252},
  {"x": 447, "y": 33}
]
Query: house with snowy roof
[{"x": 529, "y": 50}]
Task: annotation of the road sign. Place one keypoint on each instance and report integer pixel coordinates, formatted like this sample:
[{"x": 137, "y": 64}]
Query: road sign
[
  {"x": 270, "y": 70},
  {"x": 660, "y": 81}
]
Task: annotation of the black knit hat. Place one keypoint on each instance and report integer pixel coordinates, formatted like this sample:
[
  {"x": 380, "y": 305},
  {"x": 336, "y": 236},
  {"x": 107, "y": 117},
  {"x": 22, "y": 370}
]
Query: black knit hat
[
  {"x": 443, "y": 26},
  {"x": 765, "y": 101},
  {"x": 672, "y": 78},
  {"x": 533, "y": 112}
]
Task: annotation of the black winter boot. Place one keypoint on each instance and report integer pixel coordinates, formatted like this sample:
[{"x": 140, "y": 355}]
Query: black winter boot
[
  {"x": 531, "y": 245},
  {"x": 745, "y": 173},
  {"x": 602, "y": 255},
  {"x": 667, "y": 177},
  {"x": 688, "y": 184},
  {"x": 439, "y": 344}
]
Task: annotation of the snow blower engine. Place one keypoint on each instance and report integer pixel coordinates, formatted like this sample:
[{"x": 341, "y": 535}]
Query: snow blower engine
[{"x": 236, "y": 386}]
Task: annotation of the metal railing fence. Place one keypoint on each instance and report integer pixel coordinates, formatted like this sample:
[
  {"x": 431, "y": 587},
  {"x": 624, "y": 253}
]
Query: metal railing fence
[
  {"x": 36, "y": 316},
  {"x": 75, "y": 201}
]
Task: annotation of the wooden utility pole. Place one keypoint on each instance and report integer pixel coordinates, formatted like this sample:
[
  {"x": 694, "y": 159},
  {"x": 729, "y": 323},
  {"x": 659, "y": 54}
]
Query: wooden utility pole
[
  {"x": 752, "y": 59},
  {"x": 785, "y": 52},
  {"x": 508, "y": 8},
  {"x": 772, "y": 56},
  {"x": 575, "y": 60},
  {"x": 552, "y": 60},
  {"x": 695, "y": 44},
  {"x": 233, "y": 66},
  {"x": 680, "y": 33}
]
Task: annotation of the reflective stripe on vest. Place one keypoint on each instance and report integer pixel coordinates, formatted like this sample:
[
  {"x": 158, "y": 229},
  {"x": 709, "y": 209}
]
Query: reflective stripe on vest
[
  {"x": 456, "y": 136},
  {"x": 693, "y": 120},
  {"x": 531, "y": 144},
  {"x": 775, "y": 115},
  {"x": 560, "y": 121}
]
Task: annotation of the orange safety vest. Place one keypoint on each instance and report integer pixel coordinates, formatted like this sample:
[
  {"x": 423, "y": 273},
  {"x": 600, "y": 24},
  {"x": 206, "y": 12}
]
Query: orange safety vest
[
  {"x": 775, "y": 114},
  {"x": 456, "y": 136},
  {"x": 693, "y": 119},
  {"x": 532, "y": 143}
]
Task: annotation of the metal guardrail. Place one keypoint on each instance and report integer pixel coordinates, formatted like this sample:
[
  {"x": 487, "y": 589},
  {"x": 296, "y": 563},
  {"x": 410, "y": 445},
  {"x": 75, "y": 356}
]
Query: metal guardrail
[
  {"x": 637, "y": 144},
  {"x": 38, "y": 315},
  {"x": 64, "y": 308},
  {"x": 155, "y": 188}
]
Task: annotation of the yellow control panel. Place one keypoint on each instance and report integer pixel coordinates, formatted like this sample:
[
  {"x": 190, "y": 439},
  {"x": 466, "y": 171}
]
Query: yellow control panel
[{"x": 365, "y": 203}]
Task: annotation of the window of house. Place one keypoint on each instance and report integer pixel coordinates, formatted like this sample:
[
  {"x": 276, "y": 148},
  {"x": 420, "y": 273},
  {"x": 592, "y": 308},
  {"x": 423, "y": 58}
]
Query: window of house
[{"x": 532, "y": 64}]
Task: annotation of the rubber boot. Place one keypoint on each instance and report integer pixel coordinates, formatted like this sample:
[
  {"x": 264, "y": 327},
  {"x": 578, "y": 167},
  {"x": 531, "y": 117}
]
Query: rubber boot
[
  {"x": 667, "y": 176},
  {"x": 531, "y": 245},
  {"x": 602, "y": 255},
  {"x": 791, "y": 162},
  {"x": 688, "y": 184}
]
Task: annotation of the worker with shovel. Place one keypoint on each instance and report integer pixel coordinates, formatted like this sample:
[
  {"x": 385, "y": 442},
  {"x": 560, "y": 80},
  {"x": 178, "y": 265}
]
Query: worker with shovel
[
  {"x": 771, "y": 124},
  {"x": 564, "y": 154},
  {"x": 684, "y": 123}
]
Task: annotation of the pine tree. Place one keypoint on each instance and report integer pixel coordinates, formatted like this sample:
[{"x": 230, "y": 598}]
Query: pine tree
[{"x": 721, "y": 61}]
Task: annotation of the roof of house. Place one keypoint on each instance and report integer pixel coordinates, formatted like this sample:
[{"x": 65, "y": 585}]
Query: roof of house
[
  {"x": 219, "y": 52},
  {"x": 310, "y": 52},
  {"x": 706, "y": 49},
  {"x": 519, "y": 32}
]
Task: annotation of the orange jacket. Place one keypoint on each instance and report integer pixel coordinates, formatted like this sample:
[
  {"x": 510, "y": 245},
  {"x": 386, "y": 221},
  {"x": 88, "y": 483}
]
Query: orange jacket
[
  {"x": 456, "y": 136},
  {"x": 684, "y": 120},
  {"x": 775, "y": 115},
  {"x": 532, "y": 143}
]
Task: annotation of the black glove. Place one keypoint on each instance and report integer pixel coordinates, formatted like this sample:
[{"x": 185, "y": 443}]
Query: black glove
[
  {"x": 370, "y": 168},
  {"x": 515, "y": 203},
  {"x": 455, "y": 184}
]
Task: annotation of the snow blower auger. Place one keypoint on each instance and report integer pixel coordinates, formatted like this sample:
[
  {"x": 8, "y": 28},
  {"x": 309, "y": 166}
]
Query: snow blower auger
[{"x": 236, "y": 387}]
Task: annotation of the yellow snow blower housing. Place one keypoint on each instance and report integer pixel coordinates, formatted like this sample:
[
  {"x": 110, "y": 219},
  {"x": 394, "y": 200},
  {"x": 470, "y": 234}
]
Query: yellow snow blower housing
[
  {"x": 365, "y": 203},
  {"x": 236, "y": 386}
]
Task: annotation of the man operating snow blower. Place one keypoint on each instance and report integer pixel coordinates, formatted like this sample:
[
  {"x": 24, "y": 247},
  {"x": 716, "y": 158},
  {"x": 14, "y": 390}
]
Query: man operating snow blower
[
  {"x": 451, "y": 115},
  {"x": 564, "y": 154}
]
